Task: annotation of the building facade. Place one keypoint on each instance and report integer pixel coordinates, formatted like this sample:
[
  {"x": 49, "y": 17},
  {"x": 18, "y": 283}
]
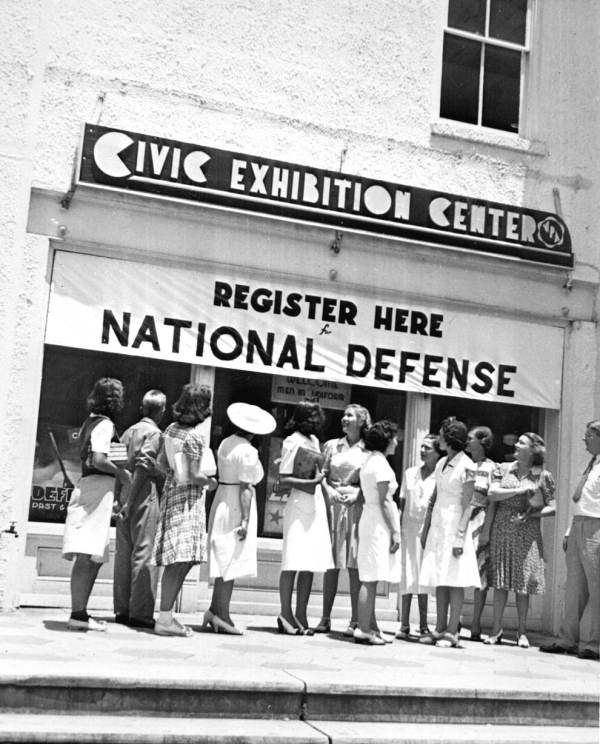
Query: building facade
[{"x": 387, "y": 203}]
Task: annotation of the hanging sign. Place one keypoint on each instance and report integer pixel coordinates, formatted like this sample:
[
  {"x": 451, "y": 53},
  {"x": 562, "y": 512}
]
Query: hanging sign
[
  {"x": 329, "y": 393},
  {"x": 113, "y": 158},
  {"x": 217, "y": 318}
]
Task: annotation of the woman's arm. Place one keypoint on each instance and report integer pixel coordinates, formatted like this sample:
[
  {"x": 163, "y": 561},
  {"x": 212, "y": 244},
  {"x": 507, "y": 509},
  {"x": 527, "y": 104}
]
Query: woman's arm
[
  {"x": 387, "y": 507},
  {"x": 245, "y": 503},
  {"x": 467, "y": 503},
  {"x": 307, "y": 485},
  {"x": 101, "y": 462},
  {"x": 500, "y": 493},
  {"x": 200, "y": 478}
]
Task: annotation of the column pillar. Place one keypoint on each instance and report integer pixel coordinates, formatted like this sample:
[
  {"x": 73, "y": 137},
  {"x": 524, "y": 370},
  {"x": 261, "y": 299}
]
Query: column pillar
[{"x": 416, "y": 426}]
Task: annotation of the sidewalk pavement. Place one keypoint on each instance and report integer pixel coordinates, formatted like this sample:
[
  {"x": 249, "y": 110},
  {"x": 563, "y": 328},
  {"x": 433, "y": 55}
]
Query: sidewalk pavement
[{"x": 37, "y": 642}]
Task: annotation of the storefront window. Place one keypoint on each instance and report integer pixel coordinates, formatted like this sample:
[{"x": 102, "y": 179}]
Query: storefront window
[
  {"x": 68, "y": 375},
  {"x": 506, "y": 422}
]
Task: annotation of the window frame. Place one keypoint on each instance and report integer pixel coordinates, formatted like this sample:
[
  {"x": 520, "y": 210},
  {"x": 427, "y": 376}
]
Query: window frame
[{"x": 485, "y": 39}]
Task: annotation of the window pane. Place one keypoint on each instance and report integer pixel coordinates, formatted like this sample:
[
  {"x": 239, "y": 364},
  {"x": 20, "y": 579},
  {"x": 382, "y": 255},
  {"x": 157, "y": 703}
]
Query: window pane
[
  {"x": 507, "y": 20},
  {"x": 468, "y": 15},
  {"x": 460, "y": 79},
  {"x": 501, "y": 83}
]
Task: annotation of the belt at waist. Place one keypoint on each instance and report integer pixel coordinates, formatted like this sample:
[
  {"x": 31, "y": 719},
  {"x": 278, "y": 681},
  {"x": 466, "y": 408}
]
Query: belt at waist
[{"x": 223, "y": 483}]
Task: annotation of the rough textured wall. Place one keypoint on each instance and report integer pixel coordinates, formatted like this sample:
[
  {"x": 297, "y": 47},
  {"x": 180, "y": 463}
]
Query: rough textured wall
[{"x": 22, "y": 262}]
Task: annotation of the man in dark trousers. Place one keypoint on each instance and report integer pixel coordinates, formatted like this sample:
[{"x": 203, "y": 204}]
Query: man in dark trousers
[
  {"x": 135, "y": 580},
  {"x": 582, "y": 546}
]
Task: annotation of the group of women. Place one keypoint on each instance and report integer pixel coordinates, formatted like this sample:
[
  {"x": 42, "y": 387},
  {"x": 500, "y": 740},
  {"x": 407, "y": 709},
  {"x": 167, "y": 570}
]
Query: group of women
[{"x": 463, "y": 521}]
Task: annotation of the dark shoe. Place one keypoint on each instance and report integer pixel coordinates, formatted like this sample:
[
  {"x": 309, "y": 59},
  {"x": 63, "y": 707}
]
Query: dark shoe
[
  {"x": 324, "y": 626},
  {"x": 121, "y": 618},
  {"x": 431, "y": 638},
  {"x": 283, "y": 626},
  {"x": 475, "y": 636},
  {"x": 588, "y": 653},
  {"x": 403, "y": 633},
  {"x": 141, "y": 622},
  {"x": 556, "y": 648}
]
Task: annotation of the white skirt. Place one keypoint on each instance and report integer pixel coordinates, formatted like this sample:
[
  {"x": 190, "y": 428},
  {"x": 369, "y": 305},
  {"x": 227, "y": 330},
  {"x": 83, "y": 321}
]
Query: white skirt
[
  {"x": 229, "y": 557},
  {"x": 439, "y": 567},
  {"x": 375, "y": 562},
  {"x": 306, "y": 538},
  {"x": 87, "y": 527}
]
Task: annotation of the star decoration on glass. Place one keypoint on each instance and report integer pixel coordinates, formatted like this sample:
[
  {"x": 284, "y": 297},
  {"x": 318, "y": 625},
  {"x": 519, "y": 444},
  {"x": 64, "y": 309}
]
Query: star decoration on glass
[{"x": 275, "y": 516}]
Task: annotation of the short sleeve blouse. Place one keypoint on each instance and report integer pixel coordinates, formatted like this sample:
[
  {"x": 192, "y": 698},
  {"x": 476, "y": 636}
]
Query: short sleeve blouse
[
  {"x": 193, "y": 444},
  {"x": 289, "y": 448},
  {"x": 342, "y": 460},
  {"x": 483, "y": 479},
  {"x": 101, "y": 436}
]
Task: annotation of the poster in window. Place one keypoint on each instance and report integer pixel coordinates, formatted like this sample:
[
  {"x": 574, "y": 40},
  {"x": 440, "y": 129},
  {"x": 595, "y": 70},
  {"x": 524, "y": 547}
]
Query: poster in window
[{"x": 56, "y": 469}]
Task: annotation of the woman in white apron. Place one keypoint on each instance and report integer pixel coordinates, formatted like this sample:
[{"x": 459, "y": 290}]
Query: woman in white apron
[{"x": 87, "y": 527}]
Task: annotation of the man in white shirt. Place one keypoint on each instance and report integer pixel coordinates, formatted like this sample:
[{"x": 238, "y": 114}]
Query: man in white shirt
[{"x": 582, "y": 546}]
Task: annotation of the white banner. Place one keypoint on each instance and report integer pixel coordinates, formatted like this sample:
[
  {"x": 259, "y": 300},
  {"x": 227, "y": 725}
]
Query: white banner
[{"x": 216, "y": 318}]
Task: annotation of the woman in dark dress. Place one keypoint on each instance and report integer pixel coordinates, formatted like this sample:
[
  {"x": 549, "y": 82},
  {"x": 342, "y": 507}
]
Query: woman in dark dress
[{"x": 517, "y": 559}]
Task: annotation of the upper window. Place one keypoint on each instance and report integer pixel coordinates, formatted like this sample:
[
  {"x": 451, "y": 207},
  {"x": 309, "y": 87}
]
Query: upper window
[{"x": 485, "y": 45}]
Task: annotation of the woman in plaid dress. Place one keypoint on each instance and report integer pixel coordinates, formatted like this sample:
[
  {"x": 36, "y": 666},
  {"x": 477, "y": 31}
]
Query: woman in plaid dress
[{"x": 180, "y": 540}]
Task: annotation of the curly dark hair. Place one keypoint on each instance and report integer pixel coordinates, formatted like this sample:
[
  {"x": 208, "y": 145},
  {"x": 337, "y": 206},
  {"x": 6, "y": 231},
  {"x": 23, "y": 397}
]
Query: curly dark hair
[
  {"x": 301, "y": 416},
  {"x": 107, "y": 397},
  {"x": 455, "y": 433},
  {"x": 484, "y": 436},
  {"x": 193, "y": 405},
  {"x": 538, "y": 448},
  {"x": 380, "y": 435}
]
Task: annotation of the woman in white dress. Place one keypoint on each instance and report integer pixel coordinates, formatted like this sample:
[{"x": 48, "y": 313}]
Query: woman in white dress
[
  {"x": 306, "y": 543},
  {"x": 87, "y": 527},
  {"x": 416, "y": 491},
  {"x": 232, "y": 524},
  {"x": 343, "y": 460},
  {"x": 378, "y": 529},
  {"x": 449, "y": 562}
]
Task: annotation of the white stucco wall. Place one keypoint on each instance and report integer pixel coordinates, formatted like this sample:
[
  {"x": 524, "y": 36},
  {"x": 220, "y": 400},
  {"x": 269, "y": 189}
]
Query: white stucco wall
[{"x": 342, "y": 83}]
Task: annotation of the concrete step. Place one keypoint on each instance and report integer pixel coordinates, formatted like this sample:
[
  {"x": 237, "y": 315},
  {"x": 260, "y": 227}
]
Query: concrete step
[
  {"x": 111, "y": 729},
  {"x": 269, "y": 694}
]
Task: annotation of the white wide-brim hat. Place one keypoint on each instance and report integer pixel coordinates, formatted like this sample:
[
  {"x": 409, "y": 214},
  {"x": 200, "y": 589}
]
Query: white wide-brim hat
[{"x": 251, "y": 418}]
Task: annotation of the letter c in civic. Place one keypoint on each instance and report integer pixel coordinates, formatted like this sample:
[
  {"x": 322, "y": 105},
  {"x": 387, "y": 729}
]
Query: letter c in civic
[{"x": 106, "y": 154}]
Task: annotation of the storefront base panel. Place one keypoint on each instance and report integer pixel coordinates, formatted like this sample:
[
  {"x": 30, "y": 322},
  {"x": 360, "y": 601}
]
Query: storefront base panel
[{"x": 45, "y": 583}]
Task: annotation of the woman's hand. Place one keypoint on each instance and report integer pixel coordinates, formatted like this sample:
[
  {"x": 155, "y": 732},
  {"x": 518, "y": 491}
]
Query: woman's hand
[
  {"x": 347, "y": 495},
  {"x": 206, "y": 481},
  {"x": 242, "y": 530},
  {"x": 457, "y": 551},
  {"x": 394, "y": 542},
  {"x": 519, "y": 518}
]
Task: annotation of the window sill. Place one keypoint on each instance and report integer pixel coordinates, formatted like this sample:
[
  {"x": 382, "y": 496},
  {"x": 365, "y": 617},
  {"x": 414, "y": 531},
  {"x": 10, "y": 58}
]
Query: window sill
[{"x": 484, "y": 136}]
